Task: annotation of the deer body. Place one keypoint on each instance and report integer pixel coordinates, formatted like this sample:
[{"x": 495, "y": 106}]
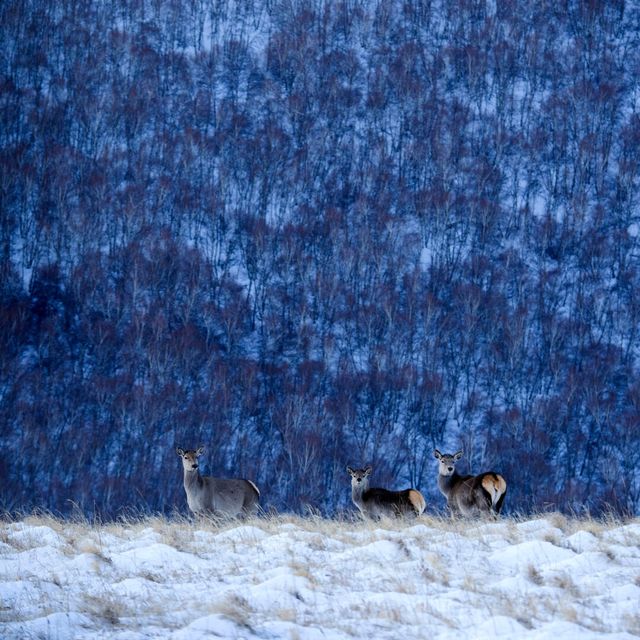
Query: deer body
[
  {"x": 376, "y": 502},
  {"x": 469, "y": 495},
  {"x": 218, "y": 496}
]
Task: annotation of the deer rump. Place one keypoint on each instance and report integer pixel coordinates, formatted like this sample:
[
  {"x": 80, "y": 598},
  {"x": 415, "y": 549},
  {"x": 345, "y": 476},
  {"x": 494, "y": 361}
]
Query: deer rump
[
  {"x": 487, "y": 489},
  {"x": 399, "y": 502}
]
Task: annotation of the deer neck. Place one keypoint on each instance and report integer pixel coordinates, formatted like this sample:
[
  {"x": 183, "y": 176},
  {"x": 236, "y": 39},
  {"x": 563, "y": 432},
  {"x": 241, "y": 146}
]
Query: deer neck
[
  {"x": 358, "y": 490},
  {"x": 447, "y": 483},
  {"x": 192, "y": 479}
]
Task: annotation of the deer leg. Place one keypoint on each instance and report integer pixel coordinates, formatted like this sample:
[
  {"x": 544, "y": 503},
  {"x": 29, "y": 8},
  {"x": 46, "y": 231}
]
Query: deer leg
[{"x": 498, "y": 505}]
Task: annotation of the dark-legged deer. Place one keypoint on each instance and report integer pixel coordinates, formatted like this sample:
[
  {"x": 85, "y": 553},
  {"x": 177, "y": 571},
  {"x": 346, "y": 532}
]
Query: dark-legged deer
[
  {"x": 376, "y": 502},
  {"x": 216, "y": 496},
  {"x": 469, "y": 495}
]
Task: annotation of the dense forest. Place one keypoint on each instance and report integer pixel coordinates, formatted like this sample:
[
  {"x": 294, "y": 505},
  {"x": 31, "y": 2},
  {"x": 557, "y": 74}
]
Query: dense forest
[{"x": 312, "y": 233}]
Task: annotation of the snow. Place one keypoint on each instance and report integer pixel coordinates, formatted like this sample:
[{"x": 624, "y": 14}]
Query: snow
[
  {"x": 426, "y": 258},
  {"x": 292, "y": 577}
]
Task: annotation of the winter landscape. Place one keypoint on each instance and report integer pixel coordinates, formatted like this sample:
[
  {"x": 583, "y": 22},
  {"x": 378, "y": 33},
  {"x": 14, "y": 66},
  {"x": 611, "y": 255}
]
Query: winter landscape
[
  {"x": 547, "y": 576},
  {"x": 302, "y": 235}
]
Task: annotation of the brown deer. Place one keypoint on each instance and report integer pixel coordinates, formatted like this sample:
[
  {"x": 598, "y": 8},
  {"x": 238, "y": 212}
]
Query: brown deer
[
  {"x": 377, "y": 502},
  {"x": 469, "y": 495},
  {"x": 216, "y": 496}
]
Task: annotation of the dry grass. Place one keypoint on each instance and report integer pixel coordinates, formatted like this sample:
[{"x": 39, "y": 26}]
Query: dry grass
[
  {"x": 534, "y": 575},
  {"x": 93, "y": 548},
  {"x": 234, "y": 607},
  {"x": 566, "y": 582},
  {"x": 286, "y": 614},
  {"x": 302, "y": 570},
  {"x": 633, "y": 624},
  {"x": 178, "y": 531},
  {"x": 107, "y": 607},
  {"x": 528, "y": 610}
]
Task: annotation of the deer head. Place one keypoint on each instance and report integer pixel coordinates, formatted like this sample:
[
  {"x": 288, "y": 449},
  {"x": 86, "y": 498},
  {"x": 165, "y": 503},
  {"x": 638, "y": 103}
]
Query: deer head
[
  {"x": 447, "y": 462},
  {"x": 190, "y": 457}
]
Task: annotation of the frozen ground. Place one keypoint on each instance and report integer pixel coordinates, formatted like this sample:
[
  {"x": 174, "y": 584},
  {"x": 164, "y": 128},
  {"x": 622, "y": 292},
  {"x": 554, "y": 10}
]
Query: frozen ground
[{"x": 298, "y": 578}]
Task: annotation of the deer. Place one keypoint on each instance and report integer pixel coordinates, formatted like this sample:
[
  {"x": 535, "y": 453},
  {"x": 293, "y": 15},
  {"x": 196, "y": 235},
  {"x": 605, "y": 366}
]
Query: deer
[
  {"x": 222, "y": 497},
  {"x": 376, "y": 502},
  {"x": 469, "y": 495}
]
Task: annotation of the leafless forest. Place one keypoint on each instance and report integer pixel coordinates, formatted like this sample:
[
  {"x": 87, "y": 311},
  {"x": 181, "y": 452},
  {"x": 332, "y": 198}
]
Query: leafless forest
[{"x": 307, "y": 234}]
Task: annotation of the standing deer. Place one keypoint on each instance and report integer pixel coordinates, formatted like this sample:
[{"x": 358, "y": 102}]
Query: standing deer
[
  {"x": 469, "y": 495},
  {"x": 376, "y": 502},
  {"x": 217, "y": 496}
]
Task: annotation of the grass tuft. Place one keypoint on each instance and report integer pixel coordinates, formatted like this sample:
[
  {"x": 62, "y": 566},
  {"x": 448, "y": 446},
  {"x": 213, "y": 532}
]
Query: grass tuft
[{"x": 534, "y": 575}]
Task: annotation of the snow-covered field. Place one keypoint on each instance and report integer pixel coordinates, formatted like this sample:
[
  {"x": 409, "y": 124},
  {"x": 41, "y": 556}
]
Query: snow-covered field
[{"x": 291, "y": 577}]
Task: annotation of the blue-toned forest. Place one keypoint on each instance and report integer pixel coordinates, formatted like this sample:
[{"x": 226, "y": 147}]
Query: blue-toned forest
[{"x": 307, "y": 234}]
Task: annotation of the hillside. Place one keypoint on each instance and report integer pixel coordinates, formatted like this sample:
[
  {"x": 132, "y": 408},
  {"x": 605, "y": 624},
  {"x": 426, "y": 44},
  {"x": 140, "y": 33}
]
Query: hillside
[
  {"x": 312, "y": 234},
  {"x": 290, "y": 577}
]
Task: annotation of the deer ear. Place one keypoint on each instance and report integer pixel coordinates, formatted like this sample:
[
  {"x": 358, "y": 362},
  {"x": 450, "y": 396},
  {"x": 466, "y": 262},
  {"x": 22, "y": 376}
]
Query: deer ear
[
  {"x": 180, "y": 451},
  {"x": 437, "y": 454},
  {"x": 368, "y": 470},
  {"x": 350, "y": 471},
  {"x": 458, "y": 455},
  {"x": 199, "y": 451}
]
